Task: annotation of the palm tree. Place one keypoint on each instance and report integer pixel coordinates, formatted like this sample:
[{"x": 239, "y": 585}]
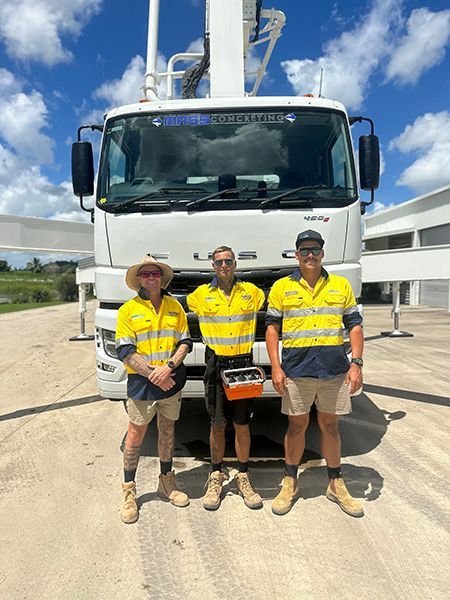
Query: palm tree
[{"x": 34, "y": 265}]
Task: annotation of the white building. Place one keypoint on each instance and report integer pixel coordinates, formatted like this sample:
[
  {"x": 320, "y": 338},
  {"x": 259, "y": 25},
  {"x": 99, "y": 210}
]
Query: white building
[{"x": 423, "y": 221}]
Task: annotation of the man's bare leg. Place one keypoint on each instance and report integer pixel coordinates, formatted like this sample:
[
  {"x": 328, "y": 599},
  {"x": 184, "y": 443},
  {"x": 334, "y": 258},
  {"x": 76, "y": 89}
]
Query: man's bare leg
[
  {"x": 330, "y": 441},
  {"x": 167, "y": 487}
]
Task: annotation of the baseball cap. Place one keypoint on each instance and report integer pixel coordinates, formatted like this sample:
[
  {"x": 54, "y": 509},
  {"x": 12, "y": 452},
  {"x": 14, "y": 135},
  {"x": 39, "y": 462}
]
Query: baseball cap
[{"x": 309, "y": 234}]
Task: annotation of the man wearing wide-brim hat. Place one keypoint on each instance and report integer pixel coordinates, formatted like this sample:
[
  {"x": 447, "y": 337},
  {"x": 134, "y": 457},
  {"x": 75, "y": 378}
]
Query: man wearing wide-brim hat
[{"x": 152, "y": 340}]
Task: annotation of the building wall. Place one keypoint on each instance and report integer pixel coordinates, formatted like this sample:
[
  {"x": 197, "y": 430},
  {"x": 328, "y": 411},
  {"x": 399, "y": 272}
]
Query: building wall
[{"x": 423, "y": 221}]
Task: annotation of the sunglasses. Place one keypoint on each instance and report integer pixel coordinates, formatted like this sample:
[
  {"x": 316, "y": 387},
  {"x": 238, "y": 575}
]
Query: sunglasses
[
  {"x": 314, "y": 251},
  {"x": 148, "y": 274},
  {"x": 227, "y": 261}
]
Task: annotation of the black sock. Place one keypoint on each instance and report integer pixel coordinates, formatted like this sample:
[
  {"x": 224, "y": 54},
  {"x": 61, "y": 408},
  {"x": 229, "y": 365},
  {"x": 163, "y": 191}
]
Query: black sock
[
  {"x": 129, "y": 476},
  {"x": 291, "y": 470},
  {"x": 216, "y": 467},
  {"x": 243, "y": 467},
  {"x": 165, "y": 467},
  {"x": 334, "y": 472}
]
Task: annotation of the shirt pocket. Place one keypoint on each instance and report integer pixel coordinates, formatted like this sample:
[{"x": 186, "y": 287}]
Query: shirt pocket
[
  {"x": 141, "y": 329},
  {"x": 248, "y": 312},
  {"x": 334, "y": 305}
]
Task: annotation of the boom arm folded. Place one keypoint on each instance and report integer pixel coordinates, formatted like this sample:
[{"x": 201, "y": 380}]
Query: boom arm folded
[{"x": 233, "y": 29}]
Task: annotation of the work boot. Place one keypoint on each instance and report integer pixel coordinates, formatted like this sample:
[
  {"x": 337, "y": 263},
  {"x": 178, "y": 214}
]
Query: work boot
[
  {"x": 129, "y": 510},
  {"x": 283, "y": 503},
  {"x": 341, "y": 496},
  {"x": 211, "y": 500},
  {"x": 251, "y": 498},
  {"x": 167, "y": 488}
]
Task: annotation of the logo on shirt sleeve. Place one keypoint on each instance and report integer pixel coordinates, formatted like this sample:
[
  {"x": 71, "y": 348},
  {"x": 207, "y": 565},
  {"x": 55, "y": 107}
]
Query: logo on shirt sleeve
[{"x": 291, "y": 293}]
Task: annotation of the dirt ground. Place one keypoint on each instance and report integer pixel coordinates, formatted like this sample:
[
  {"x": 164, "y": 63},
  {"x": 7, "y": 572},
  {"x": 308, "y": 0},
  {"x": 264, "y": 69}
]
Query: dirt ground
[{"x": 60, "y": 471}]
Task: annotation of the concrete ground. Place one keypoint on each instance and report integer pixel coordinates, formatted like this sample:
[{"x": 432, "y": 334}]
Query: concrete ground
[{"x": 60, "y": 473}]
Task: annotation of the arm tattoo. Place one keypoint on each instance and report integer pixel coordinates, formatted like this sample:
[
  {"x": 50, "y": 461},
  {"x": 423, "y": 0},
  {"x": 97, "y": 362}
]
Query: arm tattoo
[
  {"x": 166, "y": 434},
  {"x": 131, "y": 457},
  {"x": 137, "y": 363}
]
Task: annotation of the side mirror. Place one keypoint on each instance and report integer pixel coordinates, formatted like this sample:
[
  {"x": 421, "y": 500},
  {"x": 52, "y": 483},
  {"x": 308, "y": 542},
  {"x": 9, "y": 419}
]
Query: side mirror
[
  {"x": 369, "y": 162},
  {"x": 82, "y": 169}
]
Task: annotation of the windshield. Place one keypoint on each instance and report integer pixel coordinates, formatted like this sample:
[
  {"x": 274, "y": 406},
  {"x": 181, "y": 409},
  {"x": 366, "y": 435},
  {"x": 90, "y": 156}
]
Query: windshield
[{"x": 181, "y": 157}]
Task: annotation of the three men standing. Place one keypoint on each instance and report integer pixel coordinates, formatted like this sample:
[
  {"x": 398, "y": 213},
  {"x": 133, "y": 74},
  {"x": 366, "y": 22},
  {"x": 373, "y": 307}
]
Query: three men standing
[
  {"x": 227, "y": 309},
  {"x": 310, "y": 307}
]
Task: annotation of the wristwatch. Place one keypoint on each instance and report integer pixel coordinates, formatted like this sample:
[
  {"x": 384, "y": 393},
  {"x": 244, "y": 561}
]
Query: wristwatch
[
  {"x": 171, "y": 364},
  {"x": 357, "y": 361}
]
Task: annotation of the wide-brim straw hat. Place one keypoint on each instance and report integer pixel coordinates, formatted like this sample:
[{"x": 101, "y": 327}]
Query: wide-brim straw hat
[{"x": 131, "y": 277}]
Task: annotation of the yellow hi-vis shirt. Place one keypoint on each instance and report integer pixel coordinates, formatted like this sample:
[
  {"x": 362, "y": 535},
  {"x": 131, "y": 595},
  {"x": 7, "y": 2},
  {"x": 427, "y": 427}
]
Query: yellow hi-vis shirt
[
  {"x": 312, "y": 323},
  {"x": 227, "y": 325},
  {"x": 153, "y": 335}
]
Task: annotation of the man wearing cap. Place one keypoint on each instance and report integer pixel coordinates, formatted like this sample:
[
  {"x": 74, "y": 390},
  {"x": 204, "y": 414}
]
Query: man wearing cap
[
  {"x": 227, "y": 309},
  {"x": 311, "y": 307},
  {"x": 152, "y": 340}
]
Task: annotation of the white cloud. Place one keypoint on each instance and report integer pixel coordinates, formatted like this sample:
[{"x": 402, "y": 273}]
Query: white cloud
[
  {"x": 128, "y": 88},
  {"x": 24, "y": 190},
  {"x": 429, "y": 138},
  {"x": 349, "y": 60},
  {"x": 32, "y": 30},
  {"x": 422, "y": 47},
  {"x": 378, "y": 206},
  {"x": 22, "y": 117}
]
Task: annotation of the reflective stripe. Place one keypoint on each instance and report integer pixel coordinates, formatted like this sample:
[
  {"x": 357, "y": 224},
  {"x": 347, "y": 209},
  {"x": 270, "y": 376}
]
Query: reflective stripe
[
  {"x": 125, "y": 341},
  {"x": 156, "y": 356},
  {"x": 182, "y": 336},
  {"x": 312, "y": 333},
  {"x": 221, "y": 319},
  {"x": 231, "y": 341},
  {"x": 274, "y": 312},
  {"x": 351, "y": 310},
  {"x": 151, "y": 335},
  {"x": 318, "y": 310}
]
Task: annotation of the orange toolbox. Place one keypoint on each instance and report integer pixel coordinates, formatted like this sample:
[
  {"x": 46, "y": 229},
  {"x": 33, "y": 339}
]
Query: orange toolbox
[{"x": 243, "y": 383}]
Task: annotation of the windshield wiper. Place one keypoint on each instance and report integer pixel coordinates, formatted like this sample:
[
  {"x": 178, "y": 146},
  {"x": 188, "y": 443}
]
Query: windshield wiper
[
  {"x": 291, "y": 193},
  {"x": 200, "y": 201},
  {"x": 119, "y": 205}
]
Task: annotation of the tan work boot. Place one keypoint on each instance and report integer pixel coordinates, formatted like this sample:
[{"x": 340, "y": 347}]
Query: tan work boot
[
  {"x": 341, "y": 496},
  {"x": 167, "y": 488},
  {"x": 129, "y": 510},
  {"x": 283, "y": 503},
  {"x": 251, "y": 498},
  {"x": 211, "y": 500}
]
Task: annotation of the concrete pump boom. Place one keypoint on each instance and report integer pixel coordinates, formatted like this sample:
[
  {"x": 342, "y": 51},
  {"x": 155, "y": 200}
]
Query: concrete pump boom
[{"x": 232, "y": 30}]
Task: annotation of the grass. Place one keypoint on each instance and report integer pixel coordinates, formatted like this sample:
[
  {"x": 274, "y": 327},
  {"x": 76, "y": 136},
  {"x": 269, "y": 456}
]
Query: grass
[{"x": 6, "y": 308}]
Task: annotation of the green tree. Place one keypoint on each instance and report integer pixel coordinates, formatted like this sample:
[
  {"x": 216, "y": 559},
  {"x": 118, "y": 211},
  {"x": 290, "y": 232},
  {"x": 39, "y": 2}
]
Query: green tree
[
  {"x": 67, "y": 287},
  {"x": 4, "y": 266},
  {"x": 34, "y": 265}
]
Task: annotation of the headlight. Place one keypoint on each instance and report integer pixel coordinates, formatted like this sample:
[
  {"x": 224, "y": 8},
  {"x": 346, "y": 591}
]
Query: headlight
[{"x": 109, "y": 343}]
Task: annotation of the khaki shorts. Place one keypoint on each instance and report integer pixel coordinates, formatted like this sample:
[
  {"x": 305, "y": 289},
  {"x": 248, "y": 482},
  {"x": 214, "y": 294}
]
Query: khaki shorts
[
  {"x": 331, "y": 396},
  {"x": 141, "y": 412}
]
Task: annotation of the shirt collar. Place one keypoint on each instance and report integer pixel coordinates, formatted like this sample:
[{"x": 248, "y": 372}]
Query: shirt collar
[
  {"x": 215, "y": 282},
  {"x": 297, "y": 275},
  {"x": 143, "y": 295}
]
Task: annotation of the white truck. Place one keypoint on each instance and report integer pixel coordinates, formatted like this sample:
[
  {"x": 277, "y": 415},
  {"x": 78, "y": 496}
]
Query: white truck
[{"x": 181, "y": 176}]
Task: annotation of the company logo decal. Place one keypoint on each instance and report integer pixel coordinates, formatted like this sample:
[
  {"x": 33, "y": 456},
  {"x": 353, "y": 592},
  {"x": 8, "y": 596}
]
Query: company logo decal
[
  {"x": 198, "y": 119},
  {"x": 316, "y": 218}
]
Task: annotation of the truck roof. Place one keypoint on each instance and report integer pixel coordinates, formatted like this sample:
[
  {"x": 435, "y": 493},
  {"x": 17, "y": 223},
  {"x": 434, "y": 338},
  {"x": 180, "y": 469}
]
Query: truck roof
[{"x": 197, "y": 104}]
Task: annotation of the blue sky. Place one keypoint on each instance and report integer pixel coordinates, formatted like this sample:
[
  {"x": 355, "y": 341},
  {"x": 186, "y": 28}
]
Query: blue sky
[{"x": 65, "y": 63}]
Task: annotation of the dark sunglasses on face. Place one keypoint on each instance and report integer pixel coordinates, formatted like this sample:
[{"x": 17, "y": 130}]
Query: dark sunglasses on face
[
  {"x": 227, "y": 261},
  {"x": 148, "y": 274},
  {"x": 314, "y": 251}
]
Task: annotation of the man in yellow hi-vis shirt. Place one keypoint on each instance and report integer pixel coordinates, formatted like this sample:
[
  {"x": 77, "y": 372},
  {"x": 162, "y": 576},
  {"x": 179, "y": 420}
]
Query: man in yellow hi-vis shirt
[
  {"x": 152, "y": 340},
  {"x": 311, "y": 308},
  {"x": 227, "y": 310}
]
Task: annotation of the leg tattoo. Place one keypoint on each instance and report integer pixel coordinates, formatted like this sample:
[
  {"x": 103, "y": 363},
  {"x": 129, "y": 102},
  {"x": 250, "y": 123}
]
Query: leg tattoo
[{"x": 166, "y": 435}]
